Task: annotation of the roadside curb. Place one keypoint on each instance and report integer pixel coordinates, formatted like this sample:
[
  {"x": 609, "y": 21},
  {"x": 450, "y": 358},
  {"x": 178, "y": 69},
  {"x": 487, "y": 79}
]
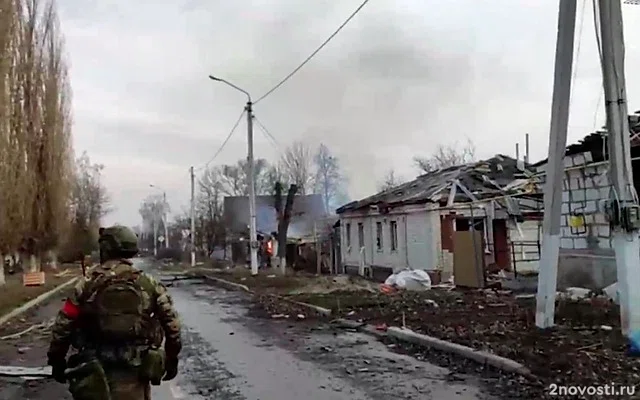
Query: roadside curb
[
  {"x": 482, "y": 357},
  {"x": 228, "y": 284},
  {"x": 312, "y": 307},
  {"x": 407, "y": 335},
  {"x": 238, "y": 286},
  {"x": 37, "y": 301}
]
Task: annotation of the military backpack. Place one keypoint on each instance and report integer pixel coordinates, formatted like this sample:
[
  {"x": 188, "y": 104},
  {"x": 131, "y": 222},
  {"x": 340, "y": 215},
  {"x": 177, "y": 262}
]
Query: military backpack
[{"x": 119, "y": 307}]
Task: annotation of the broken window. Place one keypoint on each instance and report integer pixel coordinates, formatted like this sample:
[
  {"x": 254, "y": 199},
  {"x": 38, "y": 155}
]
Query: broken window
[
  {"x": 379, "y": 235},
  {"x": 393, "y": 233},
  {"x": 347, "y": 233},
  {"x": 360, "y": 235}
]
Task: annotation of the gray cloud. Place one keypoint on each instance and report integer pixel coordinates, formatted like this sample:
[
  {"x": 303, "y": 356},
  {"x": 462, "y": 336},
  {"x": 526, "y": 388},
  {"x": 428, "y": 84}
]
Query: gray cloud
[{"x": 402, "y": 77}]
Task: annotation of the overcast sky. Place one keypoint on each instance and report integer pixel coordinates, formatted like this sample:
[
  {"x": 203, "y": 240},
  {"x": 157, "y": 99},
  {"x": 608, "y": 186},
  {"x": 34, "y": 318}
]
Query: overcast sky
[{"x": 401, "y": 78}]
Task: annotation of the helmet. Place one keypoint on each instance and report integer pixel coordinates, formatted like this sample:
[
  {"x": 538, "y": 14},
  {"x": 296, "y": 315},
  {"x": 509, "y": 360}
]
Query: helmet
[{"x": 119, "y": 239}]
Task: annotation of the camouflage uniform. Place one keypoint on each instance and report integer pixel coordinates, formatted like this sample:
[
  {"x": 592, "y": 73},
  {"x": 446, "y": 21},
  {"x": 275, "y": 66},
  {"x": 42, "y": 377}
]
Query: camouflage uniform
[{"x": 121, "y": 361}]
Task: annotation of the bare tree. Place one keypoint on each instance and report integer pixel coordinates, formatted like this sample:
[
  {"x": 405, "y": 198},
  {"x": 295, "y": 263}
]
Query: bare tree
[
  {"x": 210, "y": 228},
  {"x": 233, "y": 180},
  {"x": 447, "y": 156},
  {"x": 329, "y": 179},
  {"x": 274, "y": 173},
  {"x": 297, "y": 162},
  {"x": 283, "y": 215},
  {"x": 36, "y": 159},
  {"x": 36, "y": 107},
  {"x": 89, "y": 203},
  {"x": 15, "y": 187},
  {"x": 389, "y": 181}
]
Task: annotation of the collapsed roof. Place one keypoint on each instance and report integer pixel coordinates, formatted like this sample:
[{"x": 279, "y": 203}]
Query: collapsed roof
[
  {"x": 596, "y": 142},
  {"x": 497, "y": 178}
]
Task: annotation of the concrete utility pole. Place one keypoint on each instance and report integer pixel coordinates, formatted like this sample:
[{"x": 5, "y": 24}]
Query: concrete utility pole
[
  {"x": 166, "y": 219},
  {"x": 192, "y": 233},
  {"x": 155, "y": 234},
  {"x": 547, "y": 278},
  {"x": 623, "y": 206},
  {"x": 253, "y": 232}
]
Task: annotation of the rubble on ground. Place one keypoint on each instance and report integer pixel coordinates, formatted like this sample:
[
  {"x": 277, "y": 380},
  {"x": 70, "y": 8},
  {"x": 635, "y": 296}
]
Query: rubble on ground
[{"x": 587, "y": 331}]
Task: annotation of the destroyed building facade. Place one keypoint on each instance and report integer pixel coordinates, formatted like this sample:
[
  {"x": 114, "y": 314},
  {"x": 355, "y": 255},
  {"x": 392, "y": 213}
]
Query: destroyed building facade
[
  {"x": 493, "y": 205},
  {"x": 587, "y": 257}
]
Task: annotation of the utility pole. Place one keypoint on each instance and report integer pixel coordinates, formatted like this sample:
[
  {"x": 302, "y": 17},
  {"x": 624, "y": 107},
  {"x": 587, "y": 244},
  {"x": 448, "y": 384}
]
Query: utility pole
[
  {"x": 155, "y": 234},
  {"x": 253, "y": 242},
  {"x": 192, "y": 233},
  {"x": 253, "y": 233},
  {"x": 548, "y": 276},
  {"x": 318, "y": 249},
  {"x": 623, "y": 209},
  {"x": 166, "y": 222}
]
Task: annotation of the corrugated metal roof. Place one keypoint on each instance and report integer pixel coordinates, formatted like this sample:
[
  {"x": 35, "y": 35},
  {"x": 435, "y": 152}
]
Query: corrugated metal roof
[{"x": 496, "y": 176}]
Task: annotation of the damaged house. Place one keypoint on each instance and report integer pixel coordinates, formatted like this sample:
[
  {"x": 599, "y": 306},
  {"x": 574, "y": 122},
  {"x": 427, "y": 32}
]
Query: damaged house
[
  {"x": 478, "y": 215},
  {"x": 586, "y": 253}
]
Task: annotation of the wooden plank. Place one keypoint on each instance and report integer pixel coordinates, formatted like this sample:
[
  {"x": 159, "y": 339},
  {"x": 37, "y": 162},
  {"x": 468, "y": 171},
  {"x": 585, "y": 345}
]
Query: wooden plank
[
  {"x": 468, "y": 259},
  {"x": 33, "y": 279}
]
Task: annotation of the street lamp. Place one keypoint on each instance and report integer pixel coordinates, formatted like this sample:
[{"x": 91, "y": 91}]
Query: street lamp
[
  {"x": 253, "y": 234},
  {"x": 164, "y": 217}
]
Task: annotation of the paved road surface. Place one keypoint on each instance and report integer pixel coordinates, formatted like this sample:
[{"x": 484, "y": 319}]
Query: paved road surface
[{"x": 229, "y": 355}]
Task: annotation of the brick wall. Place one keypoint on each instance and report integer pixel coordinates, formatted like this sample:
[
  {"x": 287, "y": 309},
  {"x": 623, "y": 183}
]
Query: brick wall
[
  {"x": 585, "y": 185},
  {"x": 586, "y": 259}
]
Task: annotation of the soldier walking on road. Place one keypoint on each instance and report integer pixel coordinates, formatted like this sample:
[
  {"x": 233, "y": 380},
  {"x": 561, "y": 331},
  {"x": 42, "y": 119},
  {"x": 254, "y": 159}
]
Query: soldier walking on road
[{"x": 116, "y": 320}]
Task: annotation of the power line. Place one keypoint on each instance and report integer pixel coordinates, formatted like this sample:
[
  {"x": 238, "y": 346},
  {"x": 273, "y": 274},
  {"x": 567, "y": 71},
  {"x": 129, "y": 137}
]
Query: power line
[
  {"x": 233, "y": 130},
  {"x": 268, "y": 134},
  {"x": 272, "y": 140},
  {"x": 575, "y": 70},
  {"x": 286, "y": 78},
  {"x": 596, "y": 26}
]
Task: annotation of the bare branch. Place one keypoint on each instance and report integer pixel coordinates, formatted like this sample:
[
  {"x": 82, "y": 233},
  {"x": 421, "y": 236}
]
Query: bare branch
[
  {"x": 298, "y": 167},
  {"x": 389, "y": 181},
  {"x": 447, "y": 156}
]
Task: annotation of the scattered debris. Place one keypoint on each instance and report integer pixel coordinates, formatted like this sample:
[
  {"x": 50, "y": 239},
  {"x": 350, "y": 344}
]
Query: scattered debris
[
  {"x": 587, "y": 330},
  {"x": 431, "y": 302},
  {"x": 409, "y": 279},
  {"x": 575, "y": 293},
  {"x": 8, "y": 370},
  {"x": 63, "y": 273},
  {"x": 44, "y": 325},
  {"x": 612, "y": 293}
]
